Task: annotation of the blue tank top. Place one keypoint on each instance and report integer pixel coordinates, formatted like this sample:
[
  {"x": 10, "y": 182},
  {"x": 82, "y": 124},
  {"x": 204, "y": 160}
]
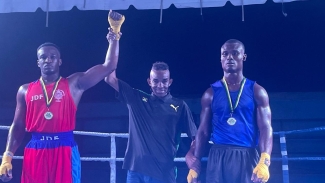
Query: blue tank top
[{"x": 244, "y": 132}]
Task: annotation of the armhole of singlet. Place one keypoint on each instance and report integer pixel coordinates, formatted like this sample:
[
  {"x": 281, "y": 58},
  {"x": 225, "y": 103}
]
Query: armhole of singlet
[
  {"x": 253, "y": 89},
  {"x": 212, "y": 96},
  {"x": 213, "y": 92},
  {"x": 66, "y": 82},
  {"x": 27, "y": 90}
]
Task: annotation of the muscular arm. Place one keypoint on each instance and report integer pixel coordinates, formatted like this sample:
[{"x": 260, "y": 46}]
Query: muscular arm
[
  {"x": 92, "y": 76},
  {"x": 202, "y": 136},
  {"x": 194, "y": 155},
  {"x": 79, "y": 82},
  {"x": 263, "y": 119},
  {"x": 112, "y": 80},
  {"x": 17, "y": 129},
  {"x": 192, "y": 161}
]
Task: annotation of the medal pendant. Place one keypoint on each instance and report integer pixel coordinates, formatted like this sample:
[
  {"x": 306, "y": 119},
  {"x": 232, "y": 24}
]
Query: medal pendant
[
  {"x": 231, "y": 121},
  {"x": 48, "y": 115}
]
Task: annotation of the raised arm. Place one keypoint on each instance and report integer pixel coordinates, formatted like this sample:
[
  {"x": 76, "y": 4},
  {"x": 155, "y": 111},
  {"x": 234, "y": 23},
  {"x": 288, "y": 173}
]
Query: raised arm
[
  {"x": 201, "y": 139},
  {"x": 92, "y": 76},
  {"x": 261, "y": 172},
  {"x": 112, "y": 80},
  {"x": 16, "y": 134}
]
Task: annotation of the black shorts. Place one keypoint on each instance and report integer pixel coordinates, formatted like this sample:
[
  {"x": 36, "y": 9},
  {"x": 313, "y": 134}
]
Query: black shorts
[{"x": 231, "y": 164}]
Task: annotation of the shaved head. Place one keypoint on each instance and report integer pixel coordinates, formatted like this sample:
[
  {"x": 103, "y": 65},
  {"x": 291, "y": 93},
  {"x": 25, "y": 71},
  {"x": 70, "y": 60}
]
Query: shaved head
[{"x": 234, "y": 41}]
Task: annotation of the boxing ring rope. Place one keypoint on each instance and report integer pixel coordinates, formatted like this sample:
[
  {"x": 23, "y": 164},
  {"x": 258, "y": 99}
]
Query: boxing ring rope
[
  {"x": 113, "y": 159},
  {"x": 284, "y": 153}
]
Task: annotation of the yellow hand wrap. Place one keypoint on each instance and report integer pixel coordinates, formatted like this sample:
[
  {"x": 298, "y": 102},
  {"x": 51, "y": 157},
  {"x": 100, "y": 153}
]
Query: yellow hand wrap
[
  {"x": 116, "y": 25},
  {"x": 192, "y": 174},
  {"x": 262, "y": 168},
  {"x": 6, "y": 163}
]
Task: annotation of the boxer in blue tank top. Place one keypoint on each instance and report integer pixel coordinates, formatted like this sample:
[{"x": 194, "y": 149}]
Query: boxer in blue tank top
[{"x": 236, "y": 119}]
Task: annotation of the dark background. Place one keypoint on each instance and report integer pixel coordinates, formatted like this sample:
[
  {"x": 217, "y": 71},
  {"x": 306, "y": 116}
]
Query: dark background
[{"x": 285, "y": 54}]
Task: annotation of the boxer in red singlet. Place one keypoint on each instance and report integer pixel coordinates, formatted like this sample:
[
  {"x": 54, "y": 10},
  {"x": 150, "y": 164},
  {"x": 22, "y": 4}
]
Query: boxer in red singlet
[{"x": 47, "y": 108}]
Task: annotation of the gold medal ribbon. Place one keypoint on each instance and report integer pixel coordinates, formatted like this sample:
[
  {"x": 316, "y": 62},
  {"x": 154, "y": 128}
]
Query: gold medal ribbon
[
  {"x": 47, "y": 100},
  {"x": 232, "y": 108}
]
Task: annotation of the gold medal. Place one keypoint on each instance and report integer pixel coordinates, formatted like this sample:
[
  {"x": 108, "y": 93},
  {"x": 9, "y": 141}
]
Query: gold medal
[
  {"x": 48, "y": 115},
  {"x": 231, "y": 121}
]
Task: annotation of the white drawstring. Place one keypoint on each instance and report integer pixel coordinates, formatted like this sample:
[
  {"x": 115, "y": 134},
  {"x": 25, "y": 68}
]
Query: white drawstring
[
  {"x": 284, "y": 13},
  {"x": 47, "y": 13},
  {"x": 242, "y": 10},
  {"x": 201, "y": 7},
  {"x": 161, "y": 10}
]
